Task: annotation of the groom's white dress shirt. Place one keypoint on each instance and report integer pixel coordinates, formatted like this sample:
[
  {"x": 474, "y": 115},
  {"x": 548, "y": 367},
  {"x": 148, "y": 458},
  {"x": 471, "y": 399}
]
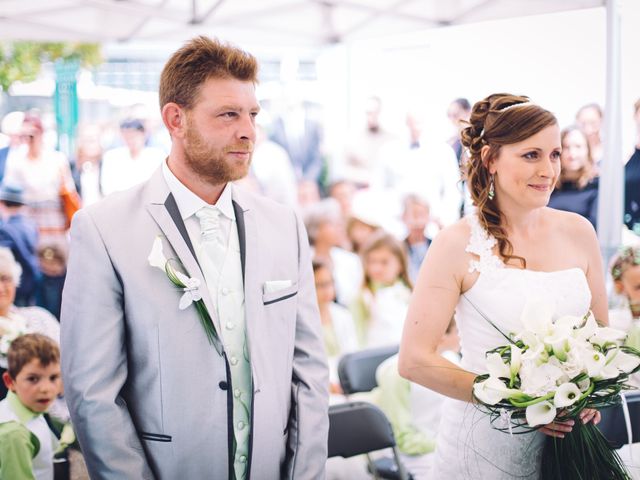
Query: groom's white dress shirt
[{"x": 214, "y": 235}]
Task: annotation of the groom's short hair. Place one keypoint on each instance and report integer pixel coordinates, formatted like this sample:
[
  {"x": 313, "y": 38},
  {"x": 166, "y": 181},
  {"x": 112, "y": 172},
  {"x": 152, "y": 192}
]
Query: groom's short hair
[{"x": 198, "y": 60}]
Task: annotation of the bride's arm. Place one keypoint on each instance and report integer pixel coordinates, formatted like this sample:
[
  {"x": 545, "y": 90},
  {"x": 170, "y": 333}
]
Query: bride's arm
[{"x": 432, "y": 306}]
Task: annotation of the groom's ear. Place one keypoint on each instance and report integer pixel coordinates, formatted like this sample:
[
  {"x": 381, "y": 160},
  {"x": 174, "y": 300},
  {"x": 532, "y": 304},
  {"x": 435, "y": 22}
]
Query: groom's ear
[{"x": 174, "y": 118}]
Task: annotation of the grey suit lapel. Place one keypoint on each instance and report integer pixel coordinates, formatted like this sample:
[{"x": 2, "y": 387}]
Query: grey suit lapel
[
  {"x": 242, "y": 237},
  {"x": 175, "y": 232},
  {"x": 172, "y": 207}
]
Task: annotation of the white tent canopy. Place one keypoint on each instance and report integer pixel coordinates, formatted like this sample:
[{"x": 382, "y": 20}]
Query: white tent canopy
[
  {"x": 310, "y": 23},
  {"x": 313, "y": 24}
]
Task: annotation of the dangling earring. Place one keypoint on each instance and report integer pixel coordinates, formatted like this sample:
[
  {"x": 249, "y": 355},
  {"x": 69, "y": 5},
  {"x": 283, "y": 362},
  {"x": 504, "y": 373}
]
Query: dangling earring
[{"x": 492, "y": 190}]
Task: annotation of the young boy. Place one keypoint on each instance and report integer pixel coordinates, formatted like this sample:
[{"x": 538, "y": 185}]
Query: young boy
[{"x": 27, "y": 444}]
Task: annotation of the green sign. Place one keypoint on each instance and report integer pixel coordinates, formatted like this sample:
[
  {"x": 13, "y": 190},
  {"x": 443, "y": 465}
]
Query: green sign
[{"x": 66, "y": 104}]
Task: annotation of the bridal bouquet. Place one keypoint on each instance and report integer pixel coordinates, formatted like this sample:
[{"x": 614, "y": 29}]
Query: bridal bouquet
[{"x": 552, "y": 370}]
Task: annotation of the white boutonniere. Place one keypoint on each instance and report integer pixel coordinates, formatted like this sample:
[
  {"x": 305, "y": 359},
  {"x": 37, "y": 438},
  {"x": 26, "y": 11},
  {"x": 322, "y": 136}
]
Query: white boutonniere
[{"x": 189, "y": 285}]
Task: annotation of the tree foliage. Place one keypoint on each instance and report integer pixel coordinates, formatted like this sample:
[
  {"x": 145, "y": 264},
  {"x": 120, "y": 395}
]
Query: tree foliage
[{"x": 23, "y": 60}]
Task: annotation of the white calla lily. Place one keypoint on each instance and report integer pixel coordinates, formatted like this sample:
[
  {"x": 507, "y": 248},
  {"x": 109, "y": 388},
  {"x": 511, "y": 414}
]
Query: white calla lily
[
  {"x": 530, "y": 339},
  {"x": 496, "y": 367},
  {"x": 156, "y": 257},
  {"x": 567, "y": 394},
  {"x": 537, "y": 316},
  {"x": 535, "y": 353},
  {"x": 540, "y": 414},
  {"x": 586, "y": 331},
  {"x": 558, "y": 340},
  {"x": 569, "y": 321},
  {"x": 516, "y": 361},
  {"x": 624, "y": 362},
  {"x": 492, "y": 391},
  {"x": 604, "y": 335},
  {"x": 595, "y": 361}
]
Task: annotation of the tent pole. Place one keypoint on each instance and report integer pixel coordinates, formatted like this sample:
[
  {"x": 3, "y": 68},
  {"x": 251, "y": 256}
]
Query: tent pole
[{"x": 611, "y": 188}]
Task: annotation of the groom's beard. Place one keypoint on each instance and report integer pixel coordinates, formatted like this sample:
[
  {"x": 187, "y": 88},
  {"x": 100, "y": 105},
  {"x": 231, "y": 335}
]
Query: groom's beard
[{"x": 215, "y": 165}]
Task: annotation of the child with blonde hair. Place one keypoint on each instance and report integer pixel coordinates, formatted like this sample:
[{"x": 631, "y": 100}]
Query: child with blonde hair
[{"x": 381, "y": 306}]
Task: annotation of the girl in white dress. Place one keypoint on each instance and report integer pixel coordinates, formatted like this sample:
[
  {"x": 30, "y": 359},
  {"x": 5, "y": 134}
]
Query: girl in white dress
[
  {"x": 381, "y": 306},
  {"x": 512, "y": 248}
]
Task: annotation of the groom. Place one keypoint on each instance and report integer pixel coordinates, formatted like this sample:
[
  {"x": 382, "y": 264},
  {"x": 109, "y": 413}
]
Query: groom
[{"x": 152, "y": 395}]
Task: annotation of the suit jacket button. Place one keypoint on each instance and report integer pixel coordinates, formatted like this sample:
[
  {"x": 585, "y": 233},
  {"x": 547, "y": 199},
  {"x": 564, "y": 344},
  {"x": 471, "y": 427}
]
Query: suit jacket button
[{"x": 223, "y": 385}]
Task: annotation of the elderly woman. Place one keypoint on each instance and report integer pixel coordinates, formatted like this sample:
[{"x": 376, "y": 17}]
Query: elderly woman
[
  {"x": 15, "y": 321},
  {"x": 326, "y": 231}
]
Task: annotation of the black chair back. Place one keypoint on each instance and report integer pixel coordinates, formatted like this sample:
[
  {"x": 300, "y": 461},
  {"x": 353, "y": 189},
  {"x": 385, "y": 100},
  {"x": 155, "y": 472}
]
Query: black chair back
[
  {"x": 357, "y": 370},
  {"x": 356, "y": 428}
]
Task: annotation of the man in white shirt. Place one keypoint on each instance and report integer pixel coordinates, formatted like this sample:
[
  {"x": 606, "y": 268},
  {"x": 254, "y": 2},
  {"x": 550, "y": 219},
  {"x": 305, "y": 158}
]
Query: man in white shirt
[
  {"x": 426, "y": 167},
  {"x": 124, "y": 167}
]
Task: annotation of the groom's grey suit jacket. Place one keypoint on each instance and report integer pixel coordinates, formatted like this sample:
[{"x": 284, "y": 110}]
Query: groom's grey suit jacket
[{"x": 149, "y": 396}]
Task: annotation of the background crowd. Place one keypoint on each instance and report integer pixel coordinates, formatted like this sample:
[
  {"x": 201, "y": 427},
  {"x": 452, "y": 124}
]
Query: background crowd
[{"x": 370, "y": 218}]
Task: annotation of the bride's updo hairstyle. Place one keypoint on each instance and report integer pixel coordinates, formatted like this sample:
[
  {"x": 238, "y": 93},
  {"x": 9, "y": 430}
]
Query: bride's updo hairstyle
[{"x": 500, "y": 119}]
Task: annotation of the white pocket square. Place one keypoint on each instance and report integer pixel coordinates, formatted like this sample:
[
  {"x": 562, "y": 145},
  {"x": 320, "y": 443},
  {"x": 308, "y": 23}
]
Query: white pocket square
[{"x": 276, "y": 285}]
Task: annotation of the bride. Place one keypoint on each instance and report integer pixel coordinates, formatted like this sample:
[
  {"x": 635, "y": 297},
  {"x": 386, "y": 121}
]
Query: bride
[{"x": 511, "y": 249}]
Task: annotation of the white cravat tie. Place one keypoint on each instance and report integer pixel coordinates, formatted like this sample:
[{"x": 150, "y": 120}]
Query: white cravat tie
[{"x": 213, "y": 244}]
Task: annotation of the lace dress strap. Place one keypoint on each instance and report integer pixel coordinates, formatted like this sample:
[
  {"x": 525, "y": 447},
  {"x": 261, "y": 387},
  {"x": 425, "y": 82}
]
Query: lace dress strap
[{"x": 481, "y": 243}]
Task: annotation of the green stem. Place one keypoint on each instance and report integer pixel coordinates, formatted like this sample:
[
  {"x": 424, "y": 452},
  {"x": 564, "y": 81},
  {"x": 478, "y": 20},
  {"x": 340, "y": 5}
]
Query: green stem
[{"x": 515, "y": 403}]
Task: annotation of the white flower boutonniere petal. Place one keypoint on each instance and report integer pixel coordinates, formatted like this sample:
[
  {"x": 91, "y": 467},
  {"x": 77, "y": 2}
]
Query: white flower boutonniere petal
[{"x": 156, "y": 256}]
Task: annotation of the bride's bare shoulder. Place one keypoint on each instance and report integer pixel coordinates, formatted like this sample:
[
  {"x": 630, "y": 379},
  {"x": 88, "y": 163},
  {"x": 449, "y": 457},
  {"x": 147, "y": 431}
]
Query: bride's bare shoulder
[
  {"x": 454, "y": 238},
  {"x": 570, "y": 223}
]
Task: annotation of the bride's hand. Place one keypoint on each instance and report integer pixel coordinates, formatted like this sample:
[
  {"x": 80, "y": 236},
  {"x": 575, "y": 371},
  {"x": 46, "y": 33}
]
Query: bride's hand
[
  {"x": 590, "y": 415},
  {"x": 558, "y": 429}
]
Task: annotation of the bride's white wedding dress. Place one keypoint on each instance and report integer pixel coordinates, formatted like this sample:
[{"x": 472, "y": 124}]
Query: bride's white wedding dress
[{"x": 468, "y": 447}]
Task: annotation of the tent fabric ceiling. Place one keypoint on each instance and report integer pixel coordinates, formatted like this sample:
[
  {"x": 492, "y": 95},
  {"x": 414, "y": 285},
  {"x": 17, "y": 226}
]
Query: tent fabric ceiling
[{"x": 304, "y": 23}]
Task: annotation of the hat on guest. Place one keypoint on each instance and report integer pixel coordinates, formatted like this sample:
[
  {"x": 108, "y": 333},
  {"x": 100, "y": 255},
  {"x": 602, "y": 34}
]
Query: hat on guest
[
  {"x": 132, "y": 124},
  {"x": 11, "y": 194}
]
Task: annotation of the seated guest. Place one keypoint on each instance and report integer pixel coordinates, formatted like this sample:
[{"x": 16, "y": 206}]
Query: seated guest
[
  {"x": 577, "y": 188},
  {"x": 413, "y": 410},
  {"x": 415, "y": 216},
  {"x": 343, "y": 191},
  {"x": 53, "y": 265},
  {"x": 381, "y": 307},
  {"x": 625, "y": 271},
  {"x": 20, "y": 234},
  {"x": 326, "y": 232},
  {"x": 338, "y": 329},
  {"x": 27, "y": 445},
  {"x": 15, "y": 321},
  {"x": 361, "y": 225}
]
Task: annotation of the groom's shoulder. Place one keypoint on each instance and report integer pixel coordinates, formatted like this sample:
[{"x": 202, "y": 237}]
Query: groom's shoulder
[
  {"x": 267, "y": 208},
  {"x": 118, "y": 205}
]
